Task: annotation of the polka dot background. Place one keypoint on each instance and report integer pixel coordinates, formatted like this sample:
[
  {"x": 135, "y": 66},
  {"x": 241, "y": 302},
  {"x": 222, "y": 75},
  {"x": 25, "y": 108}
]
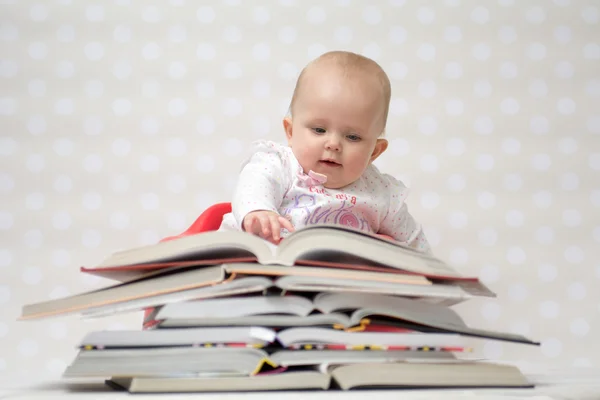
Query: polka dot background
[{"x": 121, "y": 121}]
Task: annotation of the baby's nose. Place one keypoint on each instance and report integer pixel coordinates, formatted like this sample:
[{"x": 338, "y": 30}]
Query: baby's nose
[{"x": 333, "y": 144}]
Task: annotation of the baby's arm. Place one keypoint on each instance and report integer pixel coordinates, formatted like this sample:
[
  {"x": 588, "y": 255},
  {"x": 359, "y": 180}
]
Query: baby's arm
[
  {"x": 400, "y": 224},
  {"x": 259, "y": 192},
  {"x": 405, "y": 229}
]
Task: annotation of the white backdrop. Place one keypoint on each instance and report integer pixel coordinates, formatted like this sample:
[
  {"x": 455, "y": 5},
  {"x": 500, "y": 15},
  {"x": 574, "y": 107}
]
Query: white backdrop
[{"x": 121, "y": 121}]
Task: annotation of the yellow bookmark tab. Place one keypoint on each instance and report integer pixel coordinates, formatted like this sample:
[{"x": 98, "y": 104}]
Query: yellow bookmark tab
[
  {"x": 358, "y": 347},
  {"x": 363, "y": 325},
  {"x": 262, "y": 363}
]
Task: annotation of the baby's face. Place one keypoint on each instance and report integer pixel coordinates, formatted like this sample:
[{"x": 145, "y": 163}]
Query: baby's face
[{"x": 336, "y": 125}]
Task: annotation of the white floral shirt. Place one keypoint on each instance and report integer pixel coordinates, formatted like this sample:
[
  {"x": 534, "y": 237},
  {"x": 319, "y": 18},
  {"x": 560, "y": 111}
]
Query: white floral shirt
[{"x": 272, "y": 179}]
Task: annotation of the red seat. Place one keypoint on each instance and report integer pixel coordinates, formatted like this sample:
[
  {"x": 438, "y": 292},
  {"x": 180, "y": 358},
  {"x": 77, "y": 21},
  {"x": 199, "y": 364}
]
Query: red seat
[{"x": 209, "y": 220}]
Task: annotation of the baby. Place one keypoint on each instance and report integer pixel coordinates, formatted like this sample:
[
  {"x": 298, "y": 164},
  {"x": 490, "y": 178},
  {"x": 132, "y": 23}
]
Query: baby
[{"x": 334, "y": 132}]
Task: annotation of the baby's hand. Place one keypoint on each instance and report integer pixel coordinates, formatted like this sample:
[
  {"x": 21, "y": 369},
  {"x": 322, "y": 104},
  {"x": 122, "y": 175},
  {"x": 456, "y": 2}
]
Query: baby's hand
[{"x": 266, "y": 224}]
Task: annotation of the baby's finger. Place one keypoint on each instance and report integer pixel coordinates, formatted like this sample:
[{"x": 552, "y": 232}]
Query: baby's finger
[
  {"x": 275, "y": 228},
  {"x": 255, "y": 225},
  {"x": 265, "y": 225},
  {"x": 287, "y": 224},
  {"x": 249, "y": 223}
]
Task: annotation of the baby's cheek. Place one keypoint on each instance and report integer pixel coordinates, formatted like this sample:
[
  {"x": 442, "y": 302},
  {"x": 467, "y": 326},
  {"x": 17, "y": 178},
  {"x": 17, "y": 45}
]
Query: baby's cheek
[
  {"x": 307, "y": 153},
  {"x": 357, "y": 167}
]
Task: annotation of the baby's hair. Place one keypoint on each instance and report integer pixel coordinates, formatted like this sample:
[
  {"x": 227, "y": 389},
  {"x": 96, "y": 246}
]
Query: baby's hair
[{"x": 349, "y": 62}]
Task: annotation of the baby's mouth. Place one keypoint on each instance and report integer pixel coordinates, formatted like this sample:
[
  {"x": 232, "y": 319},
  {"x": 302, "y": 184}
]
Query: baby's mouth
[{"x": 330, "y": 163}]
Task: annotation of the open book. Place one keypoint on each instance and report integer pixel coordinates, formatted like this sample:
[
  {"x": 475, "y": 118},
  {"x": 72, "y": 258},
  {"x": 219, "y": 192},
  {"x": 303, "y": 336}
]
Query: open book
[
  {"x": 341, "y": 310},
  {"x": 186, "y": 283},
  {"x": 335, "y": 310},
  {"x": 245, "y": 361},
  {"x": 342, "y": 377},
  {"x": 325, "y": 245},
  {"x": 234, "y": 369},
  {"x": 262, "y": 337}
]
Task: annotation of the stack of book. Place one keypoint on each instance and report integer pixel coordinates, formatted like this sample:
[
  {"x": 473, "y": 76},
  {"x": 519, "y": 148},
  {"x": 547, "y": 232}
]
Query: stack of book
[{"x": 327, "y": 308}]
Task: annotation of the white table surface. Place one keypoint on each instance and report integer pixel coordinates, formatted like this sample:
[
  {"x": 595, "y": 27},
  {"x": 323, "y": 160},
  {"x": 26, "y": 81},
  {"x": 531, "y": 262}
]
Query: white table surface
[{"x": 555, "y": 384}]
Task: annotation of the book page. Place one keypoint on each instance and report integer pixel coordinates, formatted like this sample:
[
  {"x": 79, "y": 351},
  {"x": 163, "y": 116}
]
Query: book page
[
  {"x": 214, "y": 244},
  {"x": 429, "y": 315},
  {"x": 341, "y": 244}
]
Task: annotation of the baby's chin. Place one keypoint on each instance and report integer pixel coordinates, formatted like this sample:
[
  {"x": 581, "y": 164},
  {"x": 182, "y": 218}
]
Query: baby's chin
[
  {"x": 333, "y": 184},
  {"x": 334, "y": 181}
]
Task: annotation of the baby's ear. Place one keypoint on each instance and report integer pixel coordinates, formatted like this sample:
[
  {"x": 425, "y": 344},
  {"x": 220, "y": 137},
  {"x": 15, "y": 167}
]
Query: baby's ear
[
  {"x": 380, "y": 146},
  {"x": 287, "y": 127}
]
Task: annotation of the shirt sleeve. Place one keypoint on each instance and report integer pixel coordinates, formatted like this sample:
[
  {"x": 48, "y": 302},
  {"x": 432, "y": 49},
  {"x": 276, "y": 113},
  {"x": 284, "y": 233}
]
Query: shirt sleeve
[
  {"x": 263, "y": 181},
  {"x": 399, "y": 223}
]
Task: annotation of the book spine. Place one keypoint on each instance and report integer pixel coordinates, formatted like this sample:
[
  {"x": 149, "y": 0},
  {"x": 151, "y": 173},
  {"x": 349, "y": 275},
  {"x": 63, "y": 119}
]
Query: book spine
[
  {"x": 378, "y": 348},
  {"x": 89, "y": 347}
]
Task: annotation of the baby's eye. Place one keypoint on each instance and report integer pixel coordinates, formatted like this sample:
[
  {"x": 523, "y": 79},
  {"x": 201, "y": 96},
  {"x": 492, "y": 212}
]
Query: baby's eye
[
  {"x": 319, "y": 130},
  {"x": 353, "y": 138}
]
